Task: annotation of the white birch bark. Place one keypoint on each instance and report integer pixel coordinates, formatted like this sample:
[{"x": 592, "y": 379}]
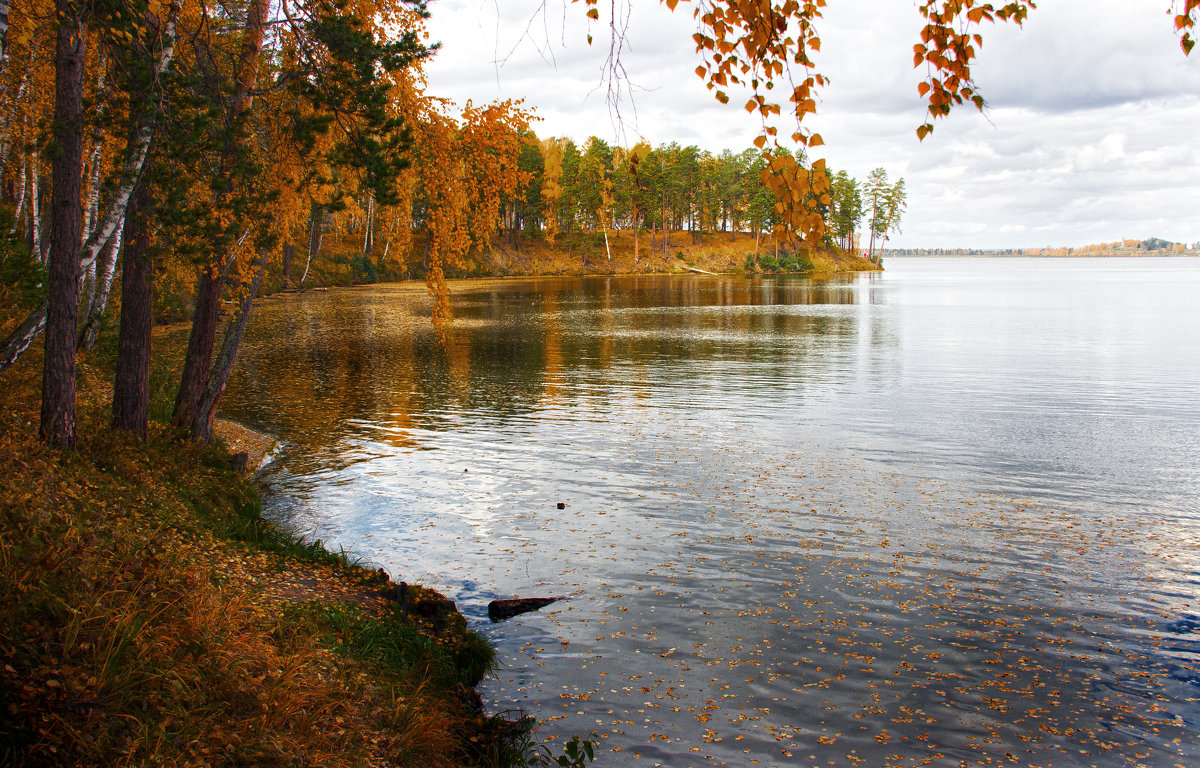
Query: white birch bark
[
  {"x": 10, "y": 119},
  {"x": 367, "y": 244},
  {"x": 92, "y": 206},
  {"x": 103, "y": 288},
  {"x": 89, "y": 287},
  {"x": 20, "y": 198},
  {"x": 35, "y": 213}
]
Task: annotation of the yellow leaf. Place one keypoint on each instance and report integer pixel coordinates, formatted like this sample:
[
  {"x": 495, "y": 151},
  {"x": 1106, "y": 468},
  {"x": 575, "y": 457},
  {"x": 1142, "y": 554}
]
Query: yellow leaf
[{"x": 760, "y": 141}]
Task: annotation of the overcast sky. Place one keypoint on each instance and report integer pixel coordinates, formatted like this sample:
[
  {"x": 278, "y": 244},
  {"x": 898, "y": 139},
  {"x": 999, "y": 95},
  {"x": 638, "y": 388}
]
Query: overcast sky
[{"x": 1089, "y": 136}]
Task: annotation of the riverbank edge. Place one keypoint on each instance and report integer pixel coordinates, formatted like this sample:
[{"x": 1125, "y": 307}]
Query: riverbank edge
[
  {"x": 344, "y": 265},
  {"x": 150, "y": 615}
]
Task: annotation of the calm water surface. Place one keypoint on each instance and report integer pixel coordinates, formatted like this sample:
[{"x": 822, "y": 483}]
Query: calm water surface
[{"x": 945, "y": 513}]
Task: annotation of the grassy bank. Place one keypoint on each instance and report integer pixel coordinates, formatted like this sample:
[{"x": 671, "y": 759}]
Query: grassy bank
[{"x": 150, "y": 616}]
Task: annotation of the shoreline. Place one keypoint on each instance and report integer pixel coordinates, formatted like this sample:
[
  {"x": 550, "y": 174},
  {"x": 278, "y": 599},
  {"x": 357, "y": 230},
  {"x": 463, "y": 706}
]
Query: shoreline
[{"x": 153, "y": 616}]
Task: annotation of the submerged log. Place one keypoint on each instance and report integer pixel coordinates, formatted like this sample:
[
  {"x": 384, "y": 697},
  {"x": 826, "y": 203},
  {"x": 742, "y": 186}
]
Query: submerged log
[{"x": 499, "y": 610}]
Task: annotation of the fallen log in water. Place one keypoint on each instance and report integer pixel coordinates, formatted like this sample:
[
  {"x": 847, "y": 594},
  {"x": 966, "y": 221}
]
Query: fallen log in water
[{"x": 499, "y": 610}]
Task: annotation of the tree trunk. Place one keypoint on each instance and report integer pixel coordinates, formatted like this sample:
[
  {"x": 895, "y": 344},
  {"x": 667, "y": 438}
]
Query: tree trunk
[
  {"x": 190, "y": 405},
  {"x": 368, "y": 239},
  {"x": 20, "y": 198},
  {"x": 131, "y": 388},
  {"x": 198, "y": 359},
  {"x": 34, "y": 233},
  {"x": 93, "y": 198},
  {"x": 202, "y": 421},
  {"x": 103, "y": 289},
  {"x": 3, "y": 37},
  {"x": 664, "y": 224},
  {"x": 7, "y": 130},
  {"x": 58, "y": 371},
  {"x": 315, "y": 221},
  {"x": 636, "y": 229},
  {"x": 21, "y": 339},
  {"x": 289, "y": 253}
]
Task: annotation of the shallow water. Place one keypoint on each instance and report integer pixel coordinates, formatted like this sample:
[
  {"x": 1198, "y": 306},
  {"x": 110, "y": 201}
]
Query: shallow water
[{"x": 944, "y": 513}]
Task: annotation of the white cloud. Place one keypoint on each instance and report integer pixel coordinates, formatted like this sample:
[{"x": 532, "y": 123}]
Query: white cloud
[{"x": 1088, "y": 138}]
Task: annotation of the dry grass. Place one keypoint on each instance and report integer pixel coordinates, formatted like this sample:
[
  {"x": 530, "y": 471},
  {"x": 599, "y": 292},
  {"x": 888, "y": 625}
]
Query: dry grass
[{"x": 143, "y": 622}]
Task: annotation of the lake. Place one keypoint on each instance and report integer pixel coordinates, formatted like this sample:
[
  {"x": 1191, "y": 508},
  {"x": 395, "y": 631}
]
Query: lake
[{"x": 944, "y": 514}]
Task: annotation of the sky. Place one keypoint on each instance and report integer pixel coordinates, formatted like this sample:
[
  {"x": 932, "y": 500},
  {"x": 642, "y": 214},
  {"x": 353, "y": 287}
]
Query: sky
[{"x": 1088, "y": 137}]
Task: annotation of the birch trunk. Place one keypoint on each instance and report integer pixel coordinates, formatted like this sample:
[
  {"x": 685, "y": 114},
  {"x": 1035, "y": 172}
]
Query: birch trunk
[
  {"x": 103, "y": 289},
  {"x": 20, "y": 209},
  {"x": 35, "y": 211},
  {"x": 21, "y": 339},
  {"x": 93, "y": 200},
  {"x": 368, "y": 241},
  {"x": 58, "y": 370},
  {"x": 10, "y": 119}
]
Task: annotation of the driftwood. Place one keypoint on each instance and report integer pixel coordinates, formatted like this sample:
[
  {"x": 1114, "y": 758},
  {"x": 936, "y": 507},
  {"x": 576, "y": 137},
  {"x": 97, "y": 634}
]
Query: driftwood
[
  {"x": 499, "y": 610},
  {"x": 696, "y": 269}
]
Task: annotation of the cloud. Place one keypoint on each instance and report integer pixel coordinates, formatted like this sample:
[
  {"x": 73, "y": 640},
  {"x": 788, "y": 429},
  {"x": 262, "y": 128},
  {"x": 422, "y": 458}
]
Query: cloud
[{"x": 1088, "y": 137}]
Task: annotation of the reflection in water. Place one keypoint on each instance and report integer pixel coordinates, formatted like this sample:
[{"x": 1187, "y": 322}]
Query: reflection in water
[{"x": 942, "y": 514}]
